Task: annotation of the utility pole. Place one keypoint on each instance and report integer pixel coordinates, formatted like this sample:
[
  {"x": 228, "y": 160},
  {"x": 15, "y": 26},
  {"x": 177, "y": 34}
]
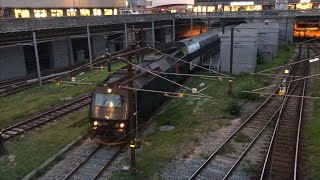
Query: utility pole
[
  {"x": 125, "y": 36},
  {"x": 231, "y": 62},
  {"x": 37, "y": 57},
  {"x": 153, "y": 36},
  {"x": 174, "y": 30},
  {"x": 89, "y": 46},
  {"x": 191, "y": 26},
  {"x": 286, "y": 32},
  {"x": 131, "y": 100}
]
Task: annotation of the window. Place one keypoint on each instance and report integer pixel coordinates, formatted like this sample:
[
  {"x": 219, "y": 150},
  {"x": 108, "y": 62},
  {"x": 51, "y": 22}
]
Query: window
[
  {"x": 84, "y": 12},
  {"x": 56, "y": 12},
  {"x": 107, "y": 12},
  {"x": 108, "y": 100},
  {"x": 97, "y": 12},
  {"x": 115, "y": 11},
  {"x": 71, "y": 12},
  {"x": 22, "y": 13},
  {"x": 40, "y": 13},
  {"x": 211, "y": 8}
]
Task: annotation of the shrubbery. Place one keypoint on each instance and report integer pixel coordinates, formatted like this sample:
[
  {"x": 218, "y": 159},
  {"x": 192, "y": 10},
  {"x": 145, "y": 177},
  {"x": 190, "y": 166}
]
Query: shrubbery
[{"x": 247, "y": 85}]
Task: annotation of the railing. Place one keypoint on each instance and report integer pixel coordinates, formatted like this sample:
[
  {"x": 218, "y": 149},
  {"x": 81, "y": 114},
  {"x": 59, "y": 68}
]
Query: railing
[
  {"x": 255, "y": 13},
  {"x": 29, "y": 24}
]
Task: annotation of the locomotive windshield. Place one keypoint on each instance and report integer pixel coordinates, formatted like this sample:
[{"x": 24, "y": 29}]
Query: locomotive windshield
[{"x": 108, "y": 100}]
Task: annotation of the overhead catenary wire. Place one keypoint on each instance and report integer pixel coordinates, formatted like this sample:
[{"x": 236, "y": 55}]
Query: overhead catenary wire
[
  {"x": 150, "y": 71},
  {"x": 191, "y": 75},
  {"x": 296, "y": 96},
  {"x": 179, "y": 59},
  {"x": 169, "y": 94},
  {"x": 296, "y": 62}
]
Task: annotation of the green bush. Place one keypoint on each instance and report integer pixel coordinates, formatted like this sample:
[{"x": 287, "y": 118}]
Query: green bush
[
  {"x": 233, "y": 108},
  {"x": 248, "y": 85}
]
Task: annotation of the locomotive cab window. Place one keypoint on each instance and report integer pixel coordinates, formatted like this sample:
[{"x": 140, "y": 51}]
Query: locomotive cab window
[{"x": 108, "y": 100}]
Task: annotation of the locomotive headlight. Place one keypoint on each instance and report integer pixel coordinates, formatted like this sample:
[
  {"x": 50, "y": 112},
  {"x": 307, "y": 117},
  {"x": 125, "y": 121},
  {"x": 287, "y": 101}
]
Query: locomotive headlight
[
  {"x": 122, "y": 125},
  {"x": 109, "y": 90},
  {"x": 111, "y": 104},
  {"x": 95, "y": 123},
  {"x": 116, "y": 125}
]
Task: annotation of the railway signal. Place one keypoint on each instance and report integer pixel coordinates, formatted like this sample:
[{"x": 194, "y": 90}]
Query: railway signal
[{"x": 133, "y": 156}]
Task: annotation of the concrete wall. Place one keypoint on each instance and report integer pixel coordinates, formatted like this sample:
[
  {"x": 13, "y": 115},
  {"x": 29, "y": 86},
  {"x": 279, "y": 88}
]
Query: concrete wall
[
  {"x": 267, "y": 40},
  {"x": 98, "y": 45},
  {"x": 12, "y": 62},
  {"x": 60, "y": 53},
  {"x": 283, "y": 25},
  {"x": 62, "y": 4},
  {"x": 166, "y": 35},
  {"x": 244, "y": 52}
]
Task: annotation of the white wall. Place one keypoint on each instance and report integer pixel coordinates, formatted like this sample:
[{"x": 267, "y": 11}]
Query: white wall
[
  {"x": 62, "y": 3},
  {"x": 156, "y": 3}
]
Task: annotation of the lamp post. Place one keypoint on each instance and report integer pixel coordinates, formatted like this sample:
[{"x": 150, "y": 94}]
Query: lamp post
[{"x": 231, "y": 62}]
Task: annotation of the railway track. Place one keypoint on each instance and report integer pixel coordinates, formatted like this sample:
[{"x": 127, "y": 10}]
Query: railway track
[
  {"x": 13, "y": 86},
  {"x": 94, "y": 165},
  {"x": 282, "y": 156},
  {"x": 221, "y": 165},
  {"x": 284, "y": 151},
  {"x": 44, "y": 118}
]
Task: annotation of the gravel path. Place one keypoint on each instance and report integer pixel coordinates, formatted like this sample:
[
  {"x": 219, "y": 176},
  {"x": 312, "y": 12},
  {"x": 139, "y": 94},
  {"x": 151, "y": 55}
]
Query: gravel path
[{"x": 72, "y": 159}]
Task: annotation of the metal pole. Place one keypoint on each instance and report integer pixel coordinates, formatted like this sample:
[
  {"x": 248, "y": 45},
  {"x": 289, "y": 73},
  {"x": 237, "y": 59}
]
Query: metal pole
[
  {"x": 231, "y": 62},
  {"x": 89, "y": 46},
  {"x": 174, "y": 30},
  {"x": 37, "y": 57},
  {"x": 285, "y": 37},
  {"x": 132, "y": 123},
  {"x": 133, "y": 156},
  {"x": 153, "y": 36},
  {"x": 125, "y": 36},
  {"x": 191, "y": 26},
  {"x": 208, "y": 25}
]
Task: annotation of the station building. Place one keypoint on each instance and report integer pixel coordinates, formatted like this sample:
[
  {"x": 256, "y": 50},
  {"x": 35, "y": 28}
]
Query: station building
[
  {"x": 59, "y": 8},
  {"x": 170, "y": 6},
  {"x": 210, "y": 6}
]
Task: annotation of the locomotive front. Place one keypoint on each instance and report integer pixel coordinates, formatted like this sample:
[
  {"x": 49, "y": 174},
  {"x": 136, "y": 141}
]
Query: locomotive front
[{"x": 109, "y": 112}]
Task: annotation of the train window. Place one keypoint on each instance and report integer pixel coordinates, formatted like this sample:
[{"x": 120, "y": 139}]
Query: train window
[
  {"x": 115, "y": 11},
  {"x": 56, "y": 12},
  {"x": 179, "y": 54},
  {"x": 84, "y": 12},
  {"x": 108, "y": 100},
  {"x": 22, "y": 13},
  {"x": 40, "y": 13},
  {"x": 97, "y": 12},
  {"x": 71, "y": 12},
  {"x": 107, "y": 12}
]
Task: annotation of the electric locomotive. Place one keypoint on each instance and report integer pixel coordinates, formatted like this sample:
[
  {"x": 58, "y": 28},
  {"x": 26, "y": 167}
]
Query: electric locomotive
[{"x": 109, "y": 114}]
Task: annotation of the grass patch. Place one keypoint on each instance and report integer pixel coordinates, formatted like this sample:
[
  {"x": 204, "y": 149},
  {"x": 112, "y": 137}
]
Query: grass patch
[
  {"x": 37, "y": 99},
  {"x": 284, "y": 55},
  {"x": 248, "y": 84},
  {"x": 227, "y": 149},
  {"x": 233, "y": 108},
  {"x": 248, "y": 167},
  {"x": 31, "y": 150},
  {"x": 313, "y": 131},
  {"x": 241, "y": 137}
]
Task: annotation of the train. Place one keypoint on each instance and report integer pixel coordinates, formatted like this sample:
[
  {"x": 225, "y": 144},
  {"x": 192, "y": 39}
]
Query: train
[{"x": 109, "y": 109}]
